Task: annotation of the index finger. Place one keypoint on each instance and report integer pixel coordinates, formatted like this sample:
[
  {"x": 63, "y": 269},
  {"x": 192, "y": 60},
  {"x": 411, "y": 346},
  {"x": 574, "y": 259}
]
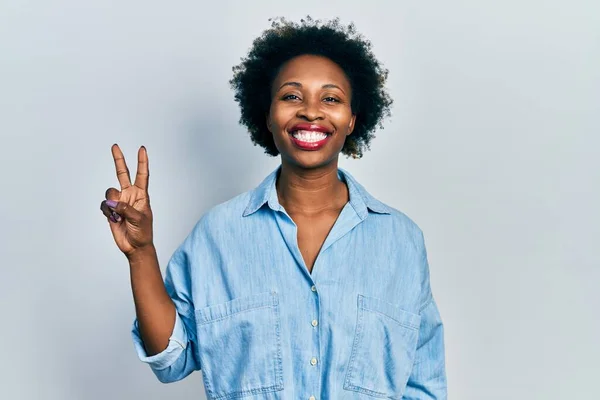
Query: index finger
[
  {"x": 142, "y": 174},
  {"x": 121, "y": 166}
]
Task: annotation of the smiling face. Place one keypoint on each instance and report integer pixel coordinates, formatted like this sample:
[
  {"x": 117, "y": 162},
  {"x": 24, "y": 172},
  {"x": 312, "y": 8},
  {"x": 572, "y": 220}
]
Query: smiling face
[{"x": 310, "y": 114}]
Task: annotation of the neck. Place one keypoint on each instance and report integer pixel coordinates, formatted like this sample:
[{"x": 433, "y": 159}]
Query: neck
[{"x": 311, "y": 191}]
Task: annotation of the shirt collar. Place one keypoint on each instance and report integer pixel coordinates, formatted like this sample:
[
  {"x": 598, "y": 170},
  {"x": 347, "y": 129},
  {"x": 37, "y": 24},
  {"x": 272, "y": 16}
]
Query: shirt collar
[{"x": 360, "y": 199}]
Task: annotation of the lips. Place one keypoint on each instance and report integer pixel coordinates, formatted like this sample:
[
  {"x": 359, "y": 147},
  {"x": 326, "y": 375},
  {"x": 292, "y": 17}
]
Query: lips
[
  {"x": 309, "y": 136},
  {"x": 310, "y": 127}
]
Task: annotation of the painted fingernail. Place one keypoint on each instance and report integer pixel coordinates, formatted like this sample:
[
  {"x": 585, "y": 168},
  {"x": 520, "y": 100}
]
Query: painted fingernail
[
  {"x": 111, "y": 203},
  {"x": 116, "y": 216},
  {"x": 112, "y": 218}
]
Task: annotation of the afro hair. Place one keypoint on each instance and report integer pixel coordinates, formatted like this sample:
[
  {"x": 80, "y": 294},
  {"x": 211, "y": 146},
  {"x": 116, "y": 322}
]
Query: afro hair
[{"x": 253, "y": 77}]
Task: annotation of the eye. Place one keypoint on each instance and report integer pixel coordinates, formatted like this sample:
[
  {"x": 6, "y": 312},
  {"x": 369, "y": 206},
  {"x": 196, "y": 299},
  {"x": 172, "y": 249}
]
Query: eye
[
  {"x": 331, "y": 99},
  {"x": 290, "y": 97}
]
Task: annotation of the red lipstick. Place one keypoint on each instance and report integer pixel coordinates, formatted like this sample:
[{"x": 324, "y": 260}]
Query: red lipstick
[
  {"x": 310, "y": 137},
  {"x": 310, "y": 127}
]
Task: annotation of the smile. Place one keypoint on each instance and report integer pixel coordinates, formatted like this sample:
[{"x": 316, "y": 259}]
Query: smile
[{"x": 309, "y": 136}]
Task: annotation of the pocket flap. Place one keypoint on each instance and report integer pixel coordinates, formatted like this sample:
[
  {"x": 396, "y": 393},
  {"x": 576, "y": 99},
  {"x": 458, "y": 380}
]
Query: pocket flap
[
  {"x": 219, "y": 311},
  {"x": 403, "y": 317}
]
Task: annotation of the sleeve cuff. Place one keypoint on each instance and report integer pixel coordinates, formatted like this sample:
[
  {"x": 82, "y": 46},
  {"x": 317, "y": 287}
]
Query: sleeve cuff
[{"x": 177, "y": 343}]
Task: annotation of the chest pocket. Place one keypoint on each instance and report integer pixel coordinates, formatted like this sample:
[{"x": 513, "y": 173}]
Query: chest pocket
[
  {"x": 383, "y": 351},
  {"x": 240, "y": 346}
]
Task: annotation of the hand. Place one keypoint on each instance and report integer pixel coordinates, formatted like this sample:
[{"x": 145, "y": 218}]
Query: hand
[{"x": 128, "y": 210}]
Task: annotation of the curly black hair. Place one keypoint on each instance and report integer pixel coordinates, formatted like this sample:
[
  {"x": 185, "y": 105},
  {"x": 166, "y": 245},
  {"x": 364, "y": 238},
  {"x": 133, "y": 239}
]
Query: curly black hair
[{"x": 253, "y": 77}]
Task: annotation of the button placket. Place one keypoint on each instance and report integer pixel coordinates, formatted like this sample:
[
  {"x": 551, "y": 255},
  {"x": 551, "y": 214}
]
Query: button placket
[{"x": 313, "y": 361}]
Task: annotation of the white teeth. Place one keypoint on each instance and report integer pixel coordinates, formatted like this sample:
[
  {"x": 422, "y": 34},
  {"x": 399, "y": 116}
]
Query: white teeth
[{"x": 309, "y": 136}]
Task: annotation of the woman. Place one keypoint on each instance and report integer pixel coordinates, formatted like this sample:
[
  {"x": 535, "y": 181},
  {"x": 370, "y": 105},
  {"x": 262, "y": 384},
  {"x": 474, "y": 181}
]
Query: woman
[{"x": 306, "y": 287}]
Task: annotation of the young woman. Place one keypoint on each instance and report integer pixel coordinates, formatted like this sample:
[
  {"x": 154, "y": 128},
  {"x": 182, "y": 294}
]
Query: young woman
[{"x": 306, "y": 287}]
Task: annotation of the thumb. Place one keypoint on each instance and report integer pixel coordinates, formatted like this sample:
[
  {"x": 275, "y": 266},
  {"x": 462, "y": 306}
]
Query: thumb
[{"x": 124, "y": 209}]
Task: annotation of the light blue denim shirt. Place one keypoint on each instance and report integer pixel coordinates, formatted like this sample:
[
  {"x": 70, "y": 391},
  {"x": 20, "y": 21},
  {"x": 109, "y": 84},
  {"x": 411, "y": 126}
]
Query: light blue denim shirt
[{"x": 362, "y": 325}]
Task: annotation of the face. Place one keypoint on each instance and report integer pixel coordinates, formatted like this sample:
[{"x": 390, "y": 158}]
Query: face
[{"x": 310, "y": 114}]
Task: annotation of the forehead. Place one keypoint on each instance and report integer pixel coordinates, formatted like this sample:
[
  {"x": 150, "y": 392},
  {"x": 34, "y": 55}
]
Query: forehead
[{"x": 307, "y": 69}]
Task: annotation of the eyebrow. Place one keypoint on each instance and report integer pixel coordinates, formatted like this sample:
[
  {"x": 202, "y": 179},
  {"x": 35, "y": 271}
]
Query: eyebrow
[{"x": 299, "y": 85}]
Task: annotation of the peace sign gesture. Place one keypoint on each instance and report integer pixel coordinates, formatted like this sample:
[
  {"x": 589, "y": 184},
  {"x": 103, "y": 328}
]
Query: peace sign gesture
[{"x": 128, "y": 210}]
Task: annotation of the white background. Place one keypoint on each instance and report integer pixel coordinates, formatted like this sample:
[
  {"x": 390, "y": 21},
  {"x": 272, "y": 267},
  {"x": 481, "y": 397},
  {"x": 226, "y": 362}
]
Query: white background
[{"x": 492, "y": 149}]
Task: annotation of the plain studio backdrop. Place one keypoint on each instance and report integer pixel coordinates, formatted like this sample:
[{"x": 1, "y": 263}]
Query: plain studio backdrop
[{"x": 492, "y": 149}]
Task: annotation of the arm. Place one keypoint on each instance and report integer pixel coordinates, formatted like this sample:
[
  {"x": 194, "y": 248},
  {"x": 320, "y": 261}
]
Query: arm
[
  {"x": 427, "y": 380},
  {"x": 163, "y": 309},
  {"x": 163, "y": 333},
  {"x": 154, "y": 309}
]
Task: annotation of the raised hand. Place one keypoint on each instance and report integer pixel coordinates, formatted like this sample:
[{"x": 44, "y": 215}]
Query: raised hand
[{"x": 128, "y": 210}]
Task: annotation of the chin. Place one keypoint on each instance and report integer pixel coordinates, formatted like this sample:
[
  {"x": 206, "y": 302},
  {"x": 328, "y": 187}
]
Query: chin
[{"x": 311, "y": 159}]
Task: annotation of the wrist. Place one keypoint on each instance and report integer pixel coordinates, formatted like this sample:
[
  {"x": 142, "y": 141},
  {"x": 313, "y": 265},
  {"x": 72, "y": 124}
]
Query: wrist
[{"x": 141, "y": 254}]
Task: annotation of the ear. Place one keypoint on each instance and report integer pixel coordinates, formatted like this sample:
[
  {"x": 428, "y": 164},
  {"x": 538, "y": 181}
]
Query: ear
[
  {"x": 351, "y": 124},
  {"x": 268, "y": 119}
]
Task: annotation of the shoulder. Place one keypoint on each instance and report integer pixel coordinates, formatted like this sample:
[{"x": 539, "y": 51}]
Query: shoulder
[
  {"x": 384, "y": 215},
  {"x": 230, "y": 216},
  {"x": 398, "y": 225},
  {"x": 387, "y": 220},
  {"x": 401, "y": 219},
  {"x": 224, "y": 214}
]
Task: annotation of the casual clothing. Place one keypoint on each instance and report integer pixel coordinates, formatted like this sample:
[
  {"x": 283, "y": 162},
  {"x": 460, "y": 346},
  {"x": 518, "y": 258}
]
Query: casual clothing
[{"x": 251, "y": 317}]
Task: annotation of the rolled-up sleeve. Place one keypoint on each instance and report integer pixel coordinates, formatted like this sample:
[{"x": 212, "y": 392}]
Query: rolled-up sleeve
[
  {"x": 177, "y": 344},
  {"x": 427, "y": 380}
]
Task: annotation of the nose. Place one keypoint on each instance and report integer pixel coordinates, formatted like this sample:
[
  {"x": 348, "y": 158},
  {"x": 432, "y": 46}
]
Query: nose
[{"x": 310, "y": 110}]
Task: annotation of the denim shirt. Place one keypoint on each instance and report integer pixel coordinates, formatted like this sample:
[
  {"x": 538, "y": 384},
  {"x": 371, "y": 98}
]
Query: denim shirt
[{"x": 362, "y": 325}]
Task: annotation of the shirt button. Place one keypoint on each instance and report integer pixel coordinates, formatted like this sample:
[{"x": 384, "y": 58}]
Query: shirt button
[
  {"x": 313, "y": 361},
  {"x": 313, "y": 288},
  {"x": 314, "y": 322},
  {"x": 312, "y": 398}
]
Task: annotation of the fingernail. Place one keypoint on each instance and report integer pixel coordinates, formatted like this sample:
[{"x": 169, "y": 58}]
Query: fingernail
[
  {"x": 111, "y": 203},
  {"x": 116, "y": 216},
  {"x": 112, "y": 218}
]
